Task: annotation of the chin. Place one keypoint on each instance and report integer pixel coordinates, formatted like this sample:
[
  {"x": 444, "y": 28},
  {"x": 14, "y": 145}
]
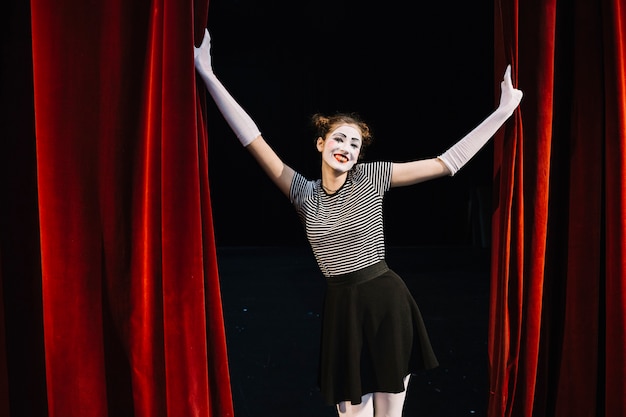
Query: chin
[{"x": 344, "y": 168}]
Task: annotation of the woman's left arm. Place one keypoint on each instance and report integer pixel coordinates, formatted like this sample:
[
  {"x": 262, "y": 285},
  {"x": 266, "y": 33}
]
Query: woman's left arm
[
  {"x": 460, "y": 153},
  {"x": 409, "y": 173}
]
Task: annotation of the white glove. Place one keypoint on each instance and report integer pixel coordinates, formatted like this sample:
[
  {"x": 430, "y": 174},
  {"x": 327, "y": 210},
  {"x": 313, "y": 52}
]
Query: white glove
[
  {"x": 238, "y": 120},
  {"x": 466, "y": 148}
]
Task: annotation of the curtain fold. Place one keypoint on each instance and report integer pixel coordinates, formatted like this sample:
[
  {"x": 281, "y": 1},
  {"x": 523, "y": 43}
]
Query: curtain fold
[
  {"x": 614, "y": 36},
  {"x": 556, "y": 338},
  {"x": 131, "y": 305}
]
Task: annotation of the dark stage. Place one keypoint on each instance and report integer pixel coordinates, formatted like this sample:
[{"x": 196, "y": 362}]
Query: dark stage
[{"x": 272, "y": 298}]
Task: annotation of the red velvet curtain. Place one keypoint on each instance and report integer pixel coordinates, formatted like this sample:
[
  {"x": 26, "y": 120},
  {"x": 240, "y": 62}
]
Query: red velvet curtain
[
  {"x": 126, "y": 285},
  {"x": 557, "y": 324},
  {"x": 110, "y": 297}
]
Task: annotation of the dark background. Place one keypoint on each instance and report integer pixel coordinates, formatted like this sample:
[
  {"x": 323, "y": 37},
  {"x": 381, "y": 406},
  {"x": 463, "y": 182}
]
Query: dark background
[
  {"x": 273, "y": 298},
  {"x": 420, "y": 74}
]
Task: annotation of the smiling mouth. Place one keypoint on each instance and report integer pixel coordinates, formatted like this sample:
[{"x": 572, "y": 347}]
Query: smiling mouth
[{"x": 341, "y": 158}]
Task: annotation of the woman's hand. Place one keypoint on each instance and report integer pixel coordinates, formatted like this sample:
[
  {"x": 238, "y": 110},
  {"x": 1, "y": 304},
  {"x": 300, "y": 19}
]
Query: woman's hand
[
  {"x": 238, "y": 120},
  {"x": 510, "y": 97},
  {"x": 202, "y": 55},
  {"x": 465, "y": 149}
]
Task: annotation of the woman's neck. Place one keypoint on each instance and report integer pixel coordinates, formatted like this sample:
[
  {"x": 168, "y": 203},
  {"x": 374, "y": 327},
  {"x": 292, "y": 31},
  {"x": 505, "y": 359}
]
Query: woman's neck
[{"x": 333, "y": 181}]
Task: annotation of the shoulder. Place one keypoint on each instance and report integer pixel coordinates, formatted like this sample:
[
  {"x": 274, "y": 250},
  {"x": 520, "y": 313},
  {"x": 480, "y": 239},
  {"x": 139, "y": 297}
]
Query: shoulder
[
  {"x": 378, "y": 174},
  {"x": 301, "y": 187},
  {"x": 373, "y": 168}
]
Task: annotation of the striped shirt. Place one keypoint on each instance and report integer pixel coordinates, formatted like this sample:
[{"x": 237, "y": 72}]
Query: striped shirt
[{"x": 344, "y": 229}]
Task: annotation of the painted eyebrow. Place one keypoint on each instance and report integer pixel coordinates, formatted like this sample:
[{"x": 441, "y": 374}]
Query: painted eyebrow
[{"x": 355, "y": 139}]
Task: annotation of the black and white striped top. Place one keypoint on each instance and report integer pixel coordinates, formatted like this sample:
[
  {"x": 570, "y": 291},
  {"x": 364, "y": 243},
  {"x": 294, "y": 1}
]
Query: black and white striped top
[{"x": 344, "y": 229}]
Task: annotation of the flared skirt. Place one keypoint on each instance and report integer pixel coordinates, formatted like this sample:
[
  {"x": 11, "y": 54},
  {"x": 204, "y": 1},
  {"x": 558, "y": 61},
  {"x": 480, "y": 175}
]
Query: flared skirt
[{"x": 373, "y": 335}]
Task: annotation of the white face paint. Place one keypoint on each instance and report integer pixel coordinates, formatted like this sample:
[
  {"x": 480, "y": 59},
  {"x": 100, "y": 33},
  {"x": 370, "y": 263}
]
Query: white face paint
[{"x": 341, "y": 148}]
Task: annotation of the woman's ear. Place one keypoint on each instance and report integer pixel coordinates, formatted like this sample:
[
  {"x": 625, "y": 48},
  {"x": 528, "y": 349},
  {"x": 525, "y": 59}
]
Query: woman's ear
[{"x": 320, "y": 144}]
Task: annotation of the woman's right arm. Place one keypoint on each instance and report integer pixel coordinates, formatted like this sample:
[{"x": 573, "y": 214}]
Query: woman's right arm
[
  {"x": 280, "y": 173},
  {"x": 239, "y": 121}
]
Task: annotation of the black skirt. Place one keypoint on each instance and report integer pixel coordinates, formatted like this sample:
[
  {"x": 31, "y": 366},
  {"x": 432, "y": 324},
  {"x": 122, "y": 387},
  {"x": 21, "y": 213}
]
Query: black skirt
[{"x": 373, "y": 335}]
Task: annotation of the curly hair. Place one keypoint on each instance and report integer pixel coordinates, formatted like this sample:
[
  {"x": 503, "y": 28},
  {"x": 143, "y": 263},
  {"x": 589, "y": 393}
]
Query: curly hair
[{"x": 324, "y": 124}]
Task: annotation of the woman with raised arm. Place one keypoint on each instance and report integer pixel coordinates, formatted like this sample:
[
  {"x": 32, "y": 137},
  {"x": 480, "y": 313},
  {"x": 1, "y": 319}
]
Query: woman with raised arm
[{"x": 373, "y": 335}]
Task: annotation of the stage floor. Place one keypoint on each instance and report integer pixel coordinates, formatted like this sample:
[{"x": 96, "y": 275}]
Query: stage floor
[{"x": 272, "y": 298}]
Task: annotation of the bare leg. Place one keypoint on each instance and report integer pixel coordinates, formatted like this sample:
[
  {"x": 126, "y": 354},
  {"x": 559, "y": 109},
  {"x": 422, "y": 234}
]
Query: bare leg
[
  {"x": 390, "y": 405},
  {"x": 365, "y": 409}
]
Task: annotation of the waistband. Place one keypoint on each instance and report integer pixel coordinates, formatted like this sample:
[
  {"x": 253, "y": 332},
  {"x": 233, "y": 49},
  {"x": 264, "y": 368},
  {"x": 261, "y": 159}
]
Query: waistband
[{"x": 360, "y": 276}]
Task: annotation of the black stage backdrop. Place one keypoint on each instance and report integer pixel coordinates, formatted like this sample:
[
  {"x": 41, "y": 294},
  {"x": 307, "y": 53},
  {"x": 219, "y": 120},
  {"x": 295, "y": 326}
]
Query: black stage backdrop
[{"x": 422, "y": 79}]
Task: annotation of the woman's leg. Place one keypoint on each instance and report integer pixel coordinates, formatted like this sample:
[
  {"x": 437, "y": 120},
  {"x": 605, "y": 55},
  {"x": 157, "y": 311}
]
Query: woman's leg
[
  {"x": 365, "y": 409},
  {"x": 390, "y": 405}
]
